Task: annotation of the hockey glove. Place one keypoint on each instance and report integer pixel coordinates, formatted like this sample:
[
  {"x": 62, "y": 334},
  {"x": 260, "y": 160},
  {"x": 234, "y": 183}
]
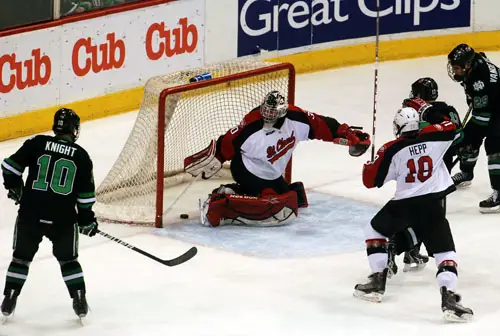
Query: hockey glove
[
  {"x": 15, "y": 194},
  {"x": 419, "y": 105},
  {"x": 205, "y": 162},
  {"x": 88, "y": 229},
  {"x": 359, "y": 140},
  {"x": 353, "y": 135}
]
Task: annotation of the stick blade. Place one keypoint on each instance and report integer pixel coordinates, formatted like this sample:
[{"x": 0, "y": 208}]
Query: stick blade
[{"x": 182, "y": 258}]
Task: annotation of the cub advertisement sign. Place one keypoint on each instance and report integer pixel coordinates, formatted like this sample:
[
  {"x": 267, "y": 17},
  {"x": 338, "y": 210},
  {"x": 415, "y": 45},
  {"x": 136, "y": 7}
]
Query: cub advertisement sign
[{"x": 91, "y": 58}]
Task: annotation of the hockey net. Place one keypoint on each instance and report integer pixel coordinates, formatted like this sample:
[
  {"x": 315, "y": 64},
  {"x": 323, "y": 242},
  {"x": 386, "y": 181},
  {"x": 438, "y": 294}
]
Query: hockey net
[{"x": 177, "y": 119}]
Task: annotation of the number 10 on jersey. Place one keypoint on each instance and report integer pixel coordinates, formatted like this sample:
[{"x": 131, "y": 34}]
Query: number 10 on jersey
[{"x": 422, "y": 169}]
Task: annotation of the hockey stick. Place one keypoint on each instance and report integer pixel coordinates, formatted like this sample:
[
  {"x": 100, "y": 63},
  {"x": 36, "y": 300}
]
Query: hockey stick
[
  {"x": 167, "y": 262},
  {"x": 466, "y": 120},
  {"x": 375, "y": 79}
]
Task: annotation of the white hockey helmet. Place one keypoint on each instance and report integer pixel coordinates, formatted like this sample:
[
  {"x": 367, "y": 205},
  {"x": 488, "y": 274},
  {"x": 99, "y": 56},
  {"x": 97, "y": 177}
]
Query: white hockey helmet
[
  {"x": 406, "y": 120},
  {"x": 273, "y": 106}
]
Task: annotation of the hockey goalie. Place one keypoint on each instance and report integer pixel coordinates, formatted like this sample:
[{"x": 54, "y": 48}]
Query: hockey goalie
[{"x": 259, "y": 149}]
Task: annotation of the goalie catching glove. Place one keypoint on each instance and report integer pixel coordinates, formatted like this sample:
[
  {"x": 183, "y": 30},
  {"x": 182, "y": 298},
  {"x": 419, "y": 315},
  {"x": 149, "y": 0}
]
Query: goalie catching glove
[
  {"x": 204, "y": 162},
  {"x": 358, "y": 141}
]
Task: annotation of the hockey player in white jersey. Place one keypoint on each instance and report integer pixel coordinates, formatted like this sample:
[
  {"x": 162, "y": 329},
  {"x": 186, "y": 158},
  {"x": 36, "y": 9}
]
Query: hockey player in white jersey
[
  {"x": 259, "y": 149},
  {"x": 415, "y": 161}
]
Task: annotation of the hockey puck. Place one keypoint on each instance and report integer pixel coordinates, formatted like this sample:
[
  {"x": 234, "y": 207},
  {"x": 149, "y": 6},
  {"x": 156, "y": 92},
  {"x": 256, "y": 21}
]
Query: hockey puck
[{"x": 184, "y": 216}]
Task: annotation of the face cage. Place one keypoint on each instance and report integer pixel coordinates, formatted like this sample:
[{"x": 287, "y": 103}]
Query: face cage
[
  {"x": 271, "y": 114},
  {"x": 454, "y": 76}
]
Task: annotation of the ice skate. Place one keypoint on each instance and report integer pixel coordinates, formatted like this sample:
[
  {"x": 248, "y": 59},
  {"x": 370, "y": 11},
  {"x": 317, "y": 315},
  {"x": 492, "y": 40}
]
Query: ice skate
[
  {"x": 452, "y": 310},
  {"x": 373, "y": 290},
  {"x": 491, "y": 204},
  {"x": 413, "y": 260},
  {"x": 80, "y": 304},
  {"x": 9, "y": 303},
  {"x": 462, "y": 180}
]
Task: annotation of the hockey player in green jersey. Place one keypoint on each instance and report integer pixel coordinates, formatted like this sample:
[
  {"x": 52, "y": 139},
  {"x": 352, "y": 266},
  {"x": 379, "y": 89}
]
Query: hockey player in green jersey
[{"x": 55, "y": 202}]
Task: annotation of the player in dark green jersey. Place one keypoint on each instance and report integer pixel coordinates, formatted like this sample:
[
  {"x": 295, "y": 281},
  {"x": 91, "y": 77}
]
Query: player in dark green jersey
[
  {"x": 55, "y": 202},
  {"x": 480, "y": 79}
]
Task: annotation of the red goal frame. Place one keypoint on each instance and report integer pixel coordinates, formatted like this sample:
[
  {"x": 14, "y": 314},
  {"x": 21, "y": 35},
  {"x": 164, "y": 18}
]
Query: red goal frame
[{"x": 197, "y": 85}]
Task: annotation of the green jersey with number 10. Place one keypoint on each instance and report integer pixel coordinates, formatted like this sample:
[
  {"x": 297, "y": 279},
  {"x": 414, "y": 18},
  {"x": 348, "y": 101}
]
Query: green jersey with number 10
[{"x": 60, "y": 178}]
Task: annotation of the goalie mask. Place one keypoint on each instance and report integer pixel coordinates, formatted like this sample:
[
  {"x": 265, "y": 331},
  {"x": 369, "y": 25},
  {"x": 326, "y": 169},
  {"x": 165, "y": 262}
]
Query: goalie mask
[
  {"x": 406, "y": 122},
  {"x": 273, "y": 107}
]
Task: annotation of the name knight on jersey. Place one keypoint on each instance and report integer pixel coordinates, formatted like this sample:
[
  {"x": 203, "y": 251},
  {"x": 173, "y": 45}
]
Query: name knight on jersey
[
  {"x": 281, "y": 148},
  {"x": 417, "y": 149},
  {"x": 60, "y": 148}
]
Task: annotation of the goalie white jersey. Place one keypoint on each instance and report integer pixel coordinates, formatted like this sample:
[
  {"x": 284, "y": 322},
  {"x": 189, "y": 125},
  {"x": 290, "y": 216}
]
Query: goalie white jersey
[
  {"x": 416, "y": 164},
  {"x": 265, "y": 152}
]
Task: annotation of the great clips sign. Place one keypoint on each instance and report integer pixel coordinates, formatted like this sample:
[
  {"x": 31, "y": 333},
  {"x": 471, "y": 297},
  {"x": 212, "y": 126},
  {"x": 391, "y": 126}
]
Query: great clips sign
[{"x": 285, "y": 24}]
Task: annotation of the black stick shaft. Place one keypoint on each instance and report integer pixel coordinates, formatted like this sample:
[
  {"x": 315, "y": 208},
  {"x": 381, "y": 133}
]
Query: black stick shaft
[{"x": 172, "y": 262}]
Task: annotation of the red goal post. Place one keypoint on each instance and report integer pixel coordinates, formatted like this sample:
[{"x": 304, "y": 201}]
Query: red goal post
[{"x": 188, "y": 116}]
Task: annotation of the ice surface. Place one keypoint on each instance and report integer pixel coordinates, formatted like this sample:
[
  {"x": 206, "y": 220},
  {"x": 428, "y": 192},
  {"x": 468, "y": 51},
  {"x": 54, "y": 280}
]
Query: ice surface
[
  {"x": 329, "y": 225},
  {"x": 221, "y": 292}
]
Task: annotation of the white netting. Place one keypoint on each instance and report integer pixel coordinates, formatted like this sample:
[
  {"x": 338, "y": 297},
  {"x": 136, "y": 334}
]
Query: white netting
[{"x": 192, "y": 119}]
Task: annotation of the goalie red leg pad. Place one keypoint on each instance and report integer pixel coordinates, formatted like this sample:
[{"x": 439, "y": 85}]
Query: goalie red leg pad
[
  {"x": 268, "y": 192},
  {"x": 241, "y": 207},
  {"x": 298, "y": 187}
]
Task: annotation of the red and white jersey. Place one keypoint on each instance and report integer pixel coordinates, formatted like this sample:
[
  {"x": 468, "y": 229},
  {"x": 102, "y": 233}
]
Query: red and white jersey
[
  {"x": 416, "y": 164},
  {"x": 265, "y": 152}
]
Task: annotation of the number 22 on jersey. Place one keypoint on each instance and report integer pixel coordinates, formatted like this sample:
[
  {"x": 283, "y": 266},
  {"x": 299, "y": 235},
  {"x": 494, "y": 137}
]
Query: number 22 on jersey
[{"x": 421, "y": 169}]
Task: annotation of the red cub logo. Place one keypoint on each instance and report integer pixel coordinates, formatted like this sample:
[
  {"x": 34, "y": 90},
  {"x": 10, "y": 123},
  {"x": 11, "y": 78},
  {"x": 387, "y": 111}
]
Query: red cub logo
[
  {"x": 106, "y": 53},
  {"x": 180, "y": 40},
  {"x": 32, "y": 74},
  {"x": 274, "y": 153}
]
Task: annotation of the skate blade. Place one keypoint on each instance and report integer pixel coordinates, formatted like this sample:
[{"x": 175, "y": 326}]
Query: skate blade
[
  {"x": 414, "y": 267},
  {"x": 371, "y": 297},
  {"x": 81, "y": 318},
  {"x": 493, "y": 210},
  {"x": 449, "y": 315}
]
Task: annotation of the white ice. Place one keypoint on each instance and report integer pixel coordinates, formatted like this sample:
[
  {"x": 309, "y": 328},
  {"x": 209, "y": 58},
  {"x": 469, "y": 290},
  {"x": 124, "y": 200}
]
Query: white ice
[{"x": 222, "y": 293}]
